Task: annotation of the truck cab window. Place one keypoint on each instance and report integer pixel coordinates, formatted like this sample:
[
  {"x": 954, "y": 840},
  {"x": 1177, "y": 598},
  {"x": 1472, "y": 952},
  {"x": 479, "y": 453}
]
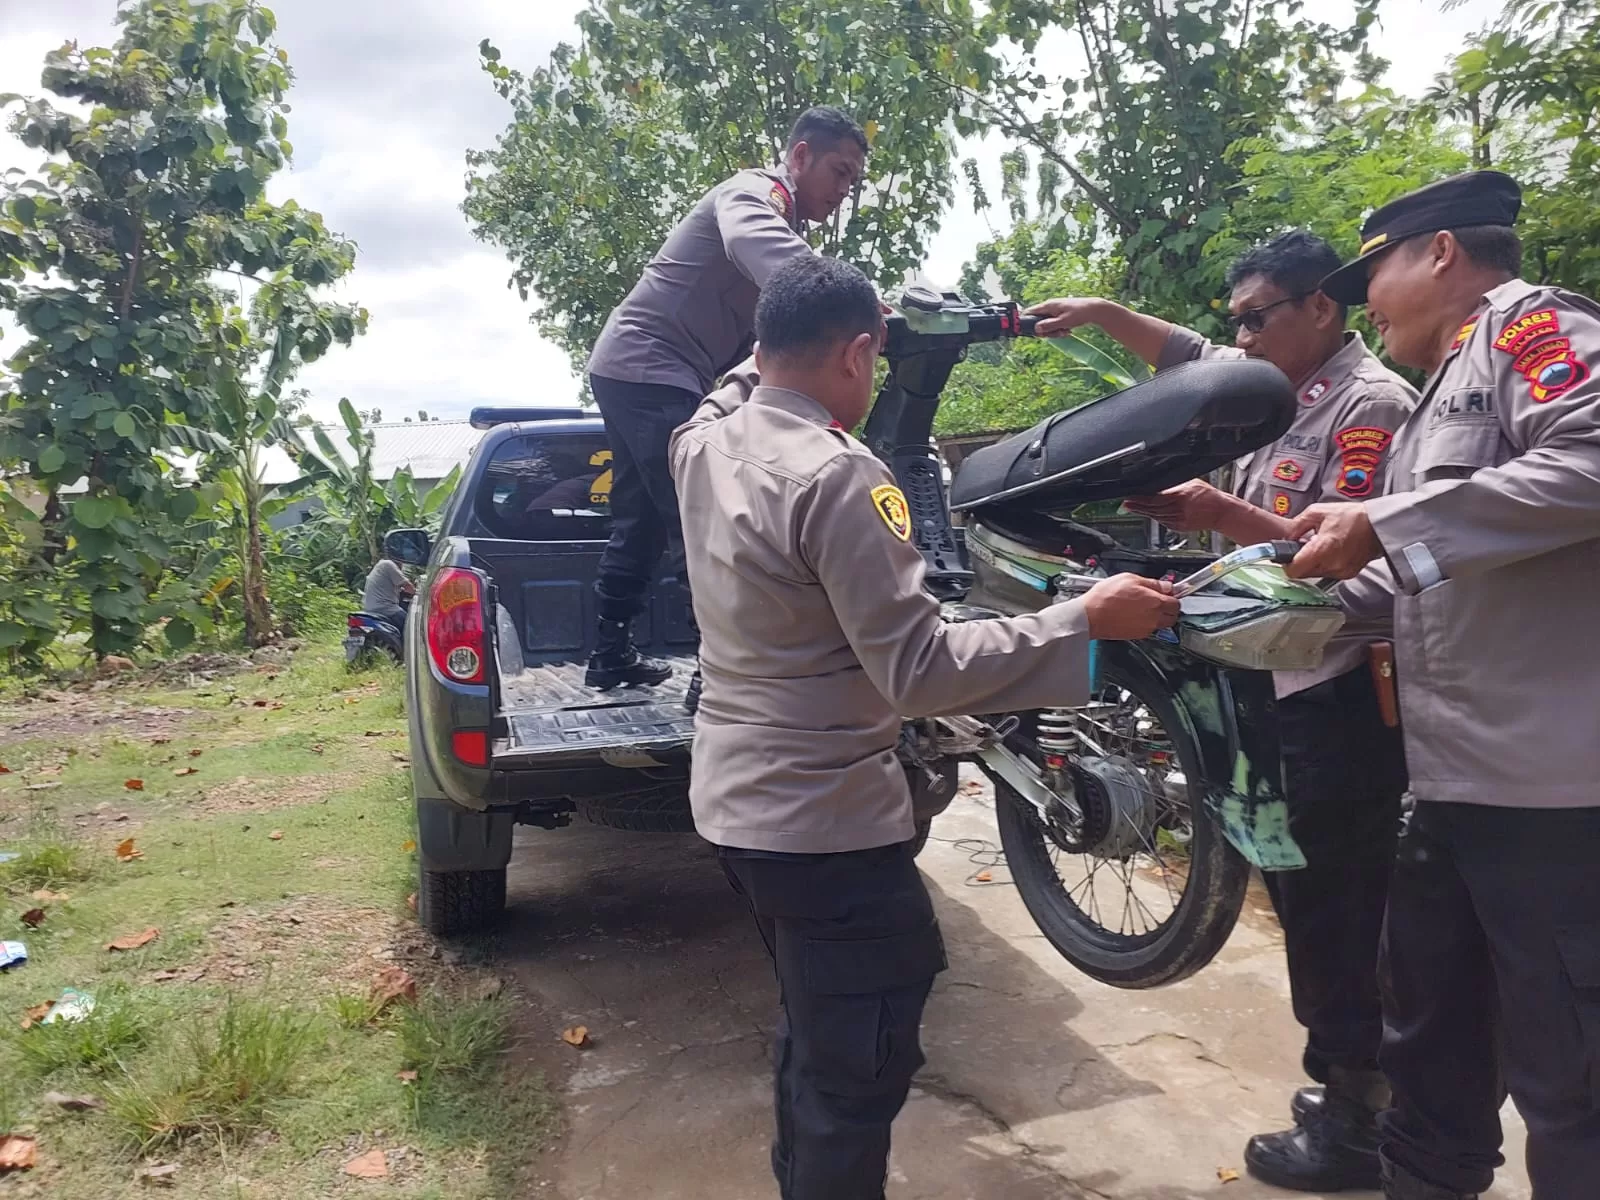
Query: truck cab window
[{"x": 548, "y": 488}]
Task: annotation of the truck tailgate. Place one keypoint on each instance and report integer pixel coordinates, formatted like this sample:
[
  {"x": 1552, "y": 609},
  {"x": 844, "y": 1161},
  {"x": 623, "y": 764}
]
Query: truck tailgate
[{"x": 549, "y": 712}]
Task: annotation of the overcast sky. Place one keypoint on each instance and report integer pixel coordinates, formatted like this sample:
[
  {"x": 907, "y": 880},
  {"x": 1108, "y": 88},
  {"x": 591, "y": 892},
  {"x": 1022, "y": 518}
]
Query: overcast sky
[{"x": 387, "y": 99}]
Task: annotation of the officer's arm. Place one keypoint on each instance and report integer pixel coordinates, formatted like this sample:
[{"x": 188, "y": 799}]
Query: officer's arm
[
  {"x": 1181, "y": 345},
  {"x": 1544, "y": 499},
  {"x": 1357, "y": 458},
  {"x": 754, "y": 233},
  {"x": 1368, "y": 600},
  {"x": 736, "y": 387},
  {"x": 855, "y": 541}
]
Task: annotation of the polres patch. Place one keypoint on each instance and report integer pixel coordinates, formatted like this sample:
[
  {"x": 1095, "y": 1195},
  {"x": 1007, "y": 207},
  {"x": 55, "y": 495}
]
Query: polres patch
[
  {"x": 1525, "y": 330},
  {"x": 890, "y": 503},
  {"x": 1551, "y": 369},
  {"x": 1361, "y": 450}
]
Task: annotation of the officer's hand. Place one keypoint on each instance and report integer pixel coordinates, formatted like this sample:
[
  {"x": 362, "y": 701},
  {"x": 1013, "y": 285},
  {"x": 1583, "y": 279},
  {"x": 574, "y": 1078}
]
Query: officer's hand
[
  {"x": 1128, "y": 607},
  {"x": 1342, "y": 543},
  {"x": 1065, "y": 314},
  {"x": 1186, "y": 508}
]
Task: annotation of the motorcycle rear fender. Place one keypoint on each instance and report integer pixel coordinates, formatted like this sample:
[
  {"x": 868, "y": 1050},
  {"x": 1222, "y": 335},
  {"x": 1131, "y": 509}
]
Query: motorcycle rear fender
[{"x": 1232, "y": 716}]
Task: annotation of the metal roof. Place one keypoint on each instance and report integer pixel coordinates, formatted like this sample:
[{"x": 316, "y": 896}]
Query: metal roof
[{"x": 429, "y": 448}]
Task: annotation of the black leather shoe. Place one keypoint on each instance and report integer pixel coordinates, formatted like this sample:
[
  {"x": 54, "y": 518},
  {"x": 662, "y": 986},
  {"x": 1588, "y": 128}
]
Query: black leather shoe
[
  {"x": 616, "y": 660},
  {"x": 1335, "y": 1150},
  {"x": 1400, "y": 1184}
]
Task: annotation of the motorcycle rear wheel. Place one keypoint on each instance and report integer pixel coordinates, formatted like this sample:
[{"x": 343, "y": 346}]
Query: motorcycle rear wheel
[{"x": 1069, "y": 912}]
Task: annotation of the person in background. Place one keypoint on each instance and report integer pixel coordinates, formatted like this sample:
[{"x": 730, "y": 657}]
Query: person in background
[
  {"x": 1485, "y": 546},
  {"x": 1344, "y": 766},
  {"x": 685, "y": 323},
  {"x": 817, "y": 639},
  {"x": 386, "y": 589}
]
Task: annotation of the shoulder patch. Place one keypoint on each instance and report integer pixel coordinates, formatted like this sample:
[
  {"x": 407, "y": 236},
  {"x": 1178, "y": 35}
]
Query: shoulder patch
[
  {"x": 778, "y": 197},
  {"x": 890, "y": 504},
  {"x": 1551, "y": 369},
  {"x": 1361, "y": 450},
  {"x": 1525, "y": 330}
]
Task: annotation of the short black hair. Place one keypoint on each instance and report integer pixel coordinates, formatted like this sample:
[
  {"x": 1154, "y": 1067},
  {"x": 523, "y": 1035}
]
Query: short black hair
[
  {"x": 825, "y": 127},
  {"x": 810, "y": 303},
  {"x": 1496, "y": 246},
  {"x": 1297, "y": 262}
]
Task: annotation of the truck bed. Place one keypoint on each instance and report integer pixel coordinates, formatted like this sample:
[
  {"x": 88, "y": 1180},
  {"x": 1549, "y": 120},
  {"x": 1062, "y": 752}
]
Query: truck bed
[{"x": 550, "y": 712}]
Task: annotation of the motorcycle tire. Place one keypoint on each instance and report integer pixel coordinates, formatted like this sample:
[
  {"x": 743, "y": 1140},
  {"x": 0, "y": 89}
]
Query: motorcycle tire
[{"x": 1203, "y": 917}]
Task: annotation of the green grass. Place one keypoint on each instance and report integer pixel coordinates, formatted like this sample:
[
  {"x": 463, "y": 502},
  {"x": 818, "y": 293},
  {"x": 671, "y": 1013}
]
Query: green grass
[{"x": 241, "y": 1042}]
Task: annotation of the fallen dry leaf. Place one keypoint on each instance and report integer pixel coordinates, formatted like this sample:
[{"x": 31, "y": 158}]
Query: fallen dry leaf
[
  {"x": 317, "y": 749},
  {"x": 578, "y": 1035},
  {"x": 4, "y": 770},
  {"x": 407, "y": 846},
  {"x": 32, "y": 1016},
  {"x": 276, "y": 835},
  {"x": 42, "y": 787},
  {"x": 407, "y": 1076},
  {"x": 73, "y": 1103},
  {"x": 391, "y": 984},
  {"x": 160, "y": 1176},
  {"x": 159, "y": 741},
  {"x": 371, "y": 1165},
  {"x": 133, "y": 785},
  {"x": 186, "y": 771},
  {"x": 1227, "y": 1175},
  {"x": 984, "y": 877},
  {"x": 487, "y": 987},
  {"x": 16, "y": 1152},
  {"x": 196, "y": 753},
  {"x": 126, "y": 852},
  {"x": 33, "y": 918},
  {"x": 132, "y": 941},
  {"x": 46, "y": 896},
  {"x": 398, "y": 757},
  {"x": 411, "y": 902}
]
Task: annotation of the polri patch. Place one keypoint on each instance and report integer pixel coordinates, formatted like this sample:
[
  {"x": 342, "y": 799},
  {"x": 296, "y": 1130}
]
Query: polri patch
[
  {"x": 890, "y": 503},
  {"x": 1525, "y": 330},
  {"x": 1361, "y": 450}
]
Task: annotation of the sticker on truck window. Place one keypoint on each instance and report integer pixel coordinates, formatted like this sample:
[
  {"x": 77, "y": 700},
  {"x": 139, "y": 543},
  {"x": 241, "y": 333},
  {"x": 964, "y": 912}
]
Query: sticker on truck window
[{"x": 600, "y": 489}]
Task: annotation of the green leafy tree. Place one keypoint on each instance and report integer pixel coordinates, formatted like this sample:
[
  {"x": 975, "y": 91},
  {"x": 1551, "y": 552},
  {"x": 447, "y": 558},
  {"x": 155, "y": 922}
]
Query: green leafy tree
[
  {"x": 108, "y": 259},
  {"x": 613, "y": 139},
  {"x": 1133, "y": 155}
]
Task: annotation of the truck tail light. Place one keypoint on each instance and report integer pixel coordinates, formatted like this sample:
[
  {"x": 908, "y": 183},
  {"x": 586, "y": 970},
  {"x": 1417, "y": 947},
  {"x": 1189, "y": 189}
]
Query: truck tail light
[
  {"x": 455, "y": 625},
  {"x": 471, "y": 746}
]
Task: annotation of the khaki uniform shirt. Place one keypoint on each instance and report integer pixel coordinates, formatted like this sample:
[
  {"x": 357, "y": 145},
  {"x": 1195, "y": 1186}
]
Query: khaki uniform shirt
[
  {"x": 1336, "y": 450},
  {"x": 817, "y": 636},
  {"x": 690, "y": 316},
  {"x": 1490, "y": 527}
]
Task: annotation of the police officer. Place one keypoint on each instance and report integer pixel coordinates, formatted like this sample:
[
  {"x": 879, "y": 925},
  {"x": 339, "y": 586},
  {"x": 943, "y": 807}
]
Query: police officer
[
  {"x": 1344, "y": 768},
  {"x": 1486, "y": 544},
  {"x": 685, "y": 322},
  {"x": 817, "y": 637}
]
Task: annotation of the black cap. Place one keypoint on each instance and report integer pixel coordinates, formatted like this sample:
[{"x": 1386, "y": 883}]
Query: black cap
[{"x": 1462, "y": 201}]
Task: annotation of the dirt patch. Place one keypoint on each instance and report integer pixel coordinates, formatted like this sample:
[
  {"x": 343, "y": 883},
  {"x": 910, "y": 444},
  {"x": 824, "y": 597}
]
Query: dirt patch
[
  {"x": 247, "y": 794},
  {"x": 69, "y": 715}
]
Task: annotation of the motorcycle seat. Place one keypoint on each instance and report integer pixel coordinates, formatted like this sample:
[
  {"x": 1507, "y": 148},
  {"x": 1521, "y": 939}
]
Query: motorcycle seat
[{"x": 1183, "y": 423}]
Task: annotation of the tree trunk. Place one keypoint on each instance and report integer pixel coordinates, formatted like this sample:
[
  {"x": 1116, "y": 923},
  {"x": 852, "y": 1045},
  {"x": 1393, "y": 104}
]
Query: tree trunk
[{"x": 257, "y": 612}]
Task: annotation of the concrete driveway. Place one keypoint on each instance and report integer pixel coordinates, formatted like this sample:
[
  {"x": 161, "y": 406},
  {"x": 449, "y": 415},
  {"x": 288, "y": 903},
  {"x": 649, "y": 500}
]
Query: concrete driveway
[{"x": 1039, "y": 1083}]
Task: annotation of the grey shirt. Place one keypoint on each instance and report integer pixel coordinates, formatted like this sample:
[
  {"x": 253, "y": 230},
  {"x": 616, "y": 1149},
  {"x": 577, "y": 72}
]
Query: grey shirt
[
  {"x": 1490, "y": 527},
  {"x": 384, "y": 581},
  {"x": 1337, "y": 449},
  {"x": 690, "y": 316}
]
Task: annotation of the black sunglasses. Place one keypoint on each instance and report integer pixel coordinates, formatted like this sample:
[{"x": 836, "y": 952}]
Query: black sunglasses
[{"x": 1255, "y": 319}]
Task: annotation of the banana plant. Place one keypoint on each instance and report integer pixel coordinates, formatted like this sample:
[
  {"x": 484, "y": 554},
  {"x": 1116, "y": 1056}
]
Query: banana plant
[{"x": 1090, "y": 359}]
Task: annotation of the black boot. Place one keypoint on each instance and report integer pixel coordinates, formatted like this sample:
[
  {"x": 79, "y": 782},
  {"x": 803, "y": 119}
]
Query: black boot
[
  {"x": 691, "y": 699},
  {"x": 1334, "y": 1148},
  {"x": 1400, "y": 1184},
  {"x": 616, "y": 660},
  {"x": 1308, "y": 1102}
]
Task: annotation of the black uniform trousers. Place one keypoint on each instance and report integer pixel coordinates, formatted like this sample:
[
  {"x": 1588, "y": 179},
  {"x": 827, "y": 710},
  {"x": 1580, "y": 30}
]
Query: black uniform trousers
[
  {"x": 1491, "y": 974},
  {"x": 856, "y": 948},
  {"x": 639, "y": 418},
  {"x": 1344, "y": 774}
]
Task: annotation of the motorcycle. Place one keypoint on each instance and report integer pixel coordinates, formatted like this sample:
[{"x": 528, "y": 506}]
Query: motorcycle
[
  {"x": 369, "y": 637},
  {"x": 1129, "y": 823}
]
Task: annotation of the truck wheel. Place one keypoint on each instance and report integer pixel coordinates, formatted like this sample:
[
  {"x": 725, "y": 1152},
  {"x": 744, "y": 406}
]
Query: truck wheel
[
  {"x": 664, "y": 811},
  {"x": 457, "y": 902},
  {"x": 920, "y": 838}
]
